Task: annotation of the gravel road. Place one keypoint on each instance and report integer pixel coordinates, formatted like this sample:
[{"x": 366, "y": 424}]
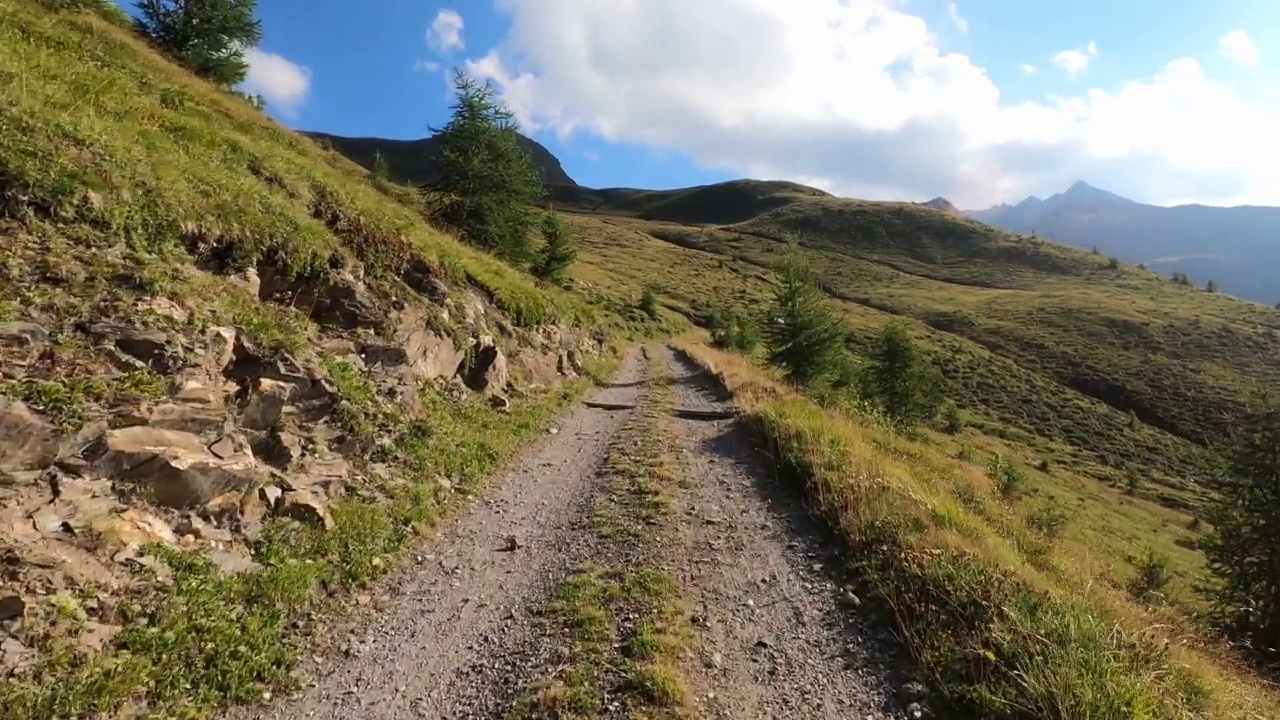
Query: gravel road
[
  {"x": 449, "y": 635},
  {"x": 779, "y": 635}
]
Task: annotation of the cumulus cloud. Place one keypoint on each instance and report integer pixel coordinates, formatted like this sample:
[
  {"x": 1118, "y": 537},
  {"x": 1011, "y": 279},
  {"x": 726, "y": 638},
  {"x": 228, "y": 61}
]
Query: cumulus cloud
[
  {"x": 1239, "y": 47},
  {"x": 283, "y": 83},
  {"x": 859, "y": 98},
  {"x": 953, "y": 12},
  {"x": 445, "y": 33},
  {"x": 1028, "y": 69},
  {"x": 1075, "y": 61}
]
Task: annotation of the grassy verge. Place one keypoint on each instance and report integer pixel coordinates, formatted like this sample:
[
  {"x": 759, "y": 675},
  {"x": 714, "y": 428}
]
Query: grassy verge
[
  {"x": 996, "y": 628},
  {"x": 211, "y": 639},
  {"x": 619, "y": 618}
]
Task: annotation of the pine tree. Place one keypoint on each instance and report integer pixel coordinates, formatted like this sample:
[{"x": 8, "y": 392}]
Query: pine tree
[
  {"x": 487, "y": 182},
  {"x": 381, "y": 170},
  {"x": 1211, "y": 287},
  {"x": 208, "y": 36},
  {"x": 900, "y": 377},
  {"x": 804, "y": 335},
  {"x": 1243, "y": 548},
  {"x": 557, "y": 252},
  {"x": 649, "y": 302}
]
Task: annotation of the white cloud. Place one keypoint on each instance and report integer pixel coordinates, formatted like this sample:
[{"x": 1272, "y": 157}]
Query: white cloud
[
  {"x": 1075, "y": 61},
  {"x": 1238, "y": 46},
  {"x": 858, "y": 97},
  {"x": 445, "y": 33},
  {"x": 591, "y": 155},
  {"x": 953, "y": 12},
  {"x": 283, "y": 83},
  {"x": 428, "y": 66},
  {"x": 1028, "y": 69}
]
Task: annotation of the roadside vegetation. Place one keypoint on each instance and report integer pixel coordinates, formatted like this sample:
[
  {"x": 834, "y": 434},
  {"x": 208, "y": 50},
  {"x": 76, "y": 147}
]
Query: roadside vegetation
[{"x": 621, "y": 627}]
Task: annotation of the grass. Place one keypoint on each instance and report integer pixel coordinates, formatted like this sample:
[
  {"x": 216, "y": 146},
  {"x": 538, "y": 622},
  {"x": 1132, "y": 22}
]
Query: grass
[
  {"x": 1104, "y": 369},
  {"x": 618, "y": 618},
  {"x": 998, "y": 623}
]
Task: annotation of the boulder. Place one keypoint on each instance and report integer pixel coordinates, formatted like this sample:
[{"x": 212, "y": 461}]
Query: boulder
[
  {"x": 174, "y": 468},
  {"x": 133, "y": 527},
  {"x": 305, "y": 506},
  {"x": 489, "y": 372},
  {"x": 219, "y": 351},
  {"x": 432, "y": 356},
  {"x": 22, "y": 334},
  {"x": 266, "y": 405},
  {"x": 154, "y": 349},
  {"x": 11, "y": 607},
  {"x": 15, "y": 657},
  {"x": 27, "y": 441},
  {"x": 279, "y": 448},
  {"x": 419, "y": 276},
  {"x": 187, "y": 418},
  {"x": 346, "y": 302}
]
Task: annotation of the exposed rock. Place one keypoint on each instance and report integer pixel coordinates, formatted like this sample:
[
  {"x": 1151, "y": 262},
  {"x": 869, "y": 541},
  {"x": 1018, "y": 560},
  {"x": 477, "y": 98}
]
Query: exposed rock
[
  {"x": 27, "y": 442},
  {"x": 134, "y": 527},
  {"x": 193, "y": 525},
  {"x": 95, "y": 636},
  {"x": 418, "y": 276},
  {"x": 280, "y": 448},
  {"x": 306, "y": 507},
  {"x": 388, "y": 356},
  {"x": 15, "y": 657},
  {"x": 155, "y": 349},
  {"x": 500, "y": 403},
  {"x": 164, "y": 307},
  {"x": 232, "y": 562},
  {"x": 266, "y": 404},
  {"x": 330, "y": 475},
  {"x": 270, "y": 496},
  {"x": 187, "y": 418},
  {"x": 565, "y": 365},
  {"x": 22, "y": 334},
  {"x": 344, "y": 302},
  {"x": 193, "y": 392},
  {"x": 489, "y": 373},
  {"x": 231, "y": 445},
  {"x": 12, "y": 606},
  {"x": 536, "y": 368},
  {"x": 219, "y": 350},
  {"x": 175, "y": 468}
]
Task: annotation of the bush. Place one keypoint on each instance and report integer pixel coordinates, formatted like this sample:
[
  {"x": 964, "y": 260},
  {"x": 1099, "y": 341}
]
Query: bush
[
  {"x": 736, "y": 331},
  {"x": 1048, "y": 520},
  {"x": 649, "y": 302},
  {"x": 1153, "y": 575},
  {"x": 487, "y": 182},
  {"x": 952, "y": 420},
  {"x": 1008, "y": 477},
  {"x": 557, "y": 252}
]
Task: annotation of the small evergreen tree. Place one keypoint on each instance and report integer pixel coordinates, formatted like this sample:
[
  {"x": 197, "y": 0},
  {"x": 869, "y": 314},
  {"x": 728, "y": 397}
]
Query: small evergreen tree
[
  {"x": 557, "y": 252},
  {"x": 1113, "y": 263},
  {"x": 487, "y": 183},
  {"x": 1211, "y": 287},
  {"x": 381, "y": 171},
  {"x": 649, "y": 302},
  {"x": 208, "y": 36},
  {"x": 900, "y": 377},
  {"x": 736, "y": 331},
  {"x": 805, "y": 336},
  {"x": 1243, "y": 546},
  {"x": 952, "y": 420}
]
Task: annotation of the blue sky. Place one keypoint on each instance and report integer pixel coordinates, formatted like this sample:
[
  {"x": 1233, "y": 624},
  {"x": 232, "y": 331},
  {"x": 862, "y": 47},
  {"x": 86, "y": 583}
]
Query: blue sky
[{"x": 909, "y": 99}]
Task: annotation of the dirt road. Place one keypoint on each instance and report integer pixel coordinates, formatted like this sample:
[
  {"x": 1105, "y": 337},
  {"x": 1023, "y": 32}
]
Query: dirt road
[{"x": 451, "y": 635}]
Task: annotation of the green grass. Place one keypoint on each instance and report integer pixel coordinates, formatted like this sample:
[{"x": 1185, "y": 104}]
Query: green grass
[
  {"x": 1001, "y": 621},
  {"x": 618, "y": 620}
]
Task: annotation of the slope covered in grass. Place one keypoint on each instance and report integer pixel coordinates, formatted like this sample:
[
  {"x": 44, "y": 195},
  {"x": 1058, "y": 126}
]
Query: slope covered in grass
[
  {"x": 1000, "y": 615},
  {"x": 237, "y": 376},
  {"x": 1100, "y": 365}
]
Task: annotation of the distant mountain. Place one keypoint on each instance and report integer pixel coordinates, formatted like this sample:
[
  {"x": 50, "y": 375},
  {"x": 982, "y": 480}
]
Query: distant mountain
[
  {"x": 414, "y": 161},
  {"x": 943, "y": 204},
  {"x": 1238, "y": 247}
]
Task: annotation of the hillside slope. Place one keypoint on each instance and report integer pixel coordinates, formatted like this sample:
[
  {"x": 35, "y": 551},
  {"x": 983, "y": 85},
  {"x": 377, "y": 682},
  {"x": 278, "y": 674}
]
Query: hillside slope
[
  {"x": 237, "y": 376},
  {"x": 413, "y": 162},
  {"x": 1115, "y": 369},
  {"x": 1233, "y": 246}
]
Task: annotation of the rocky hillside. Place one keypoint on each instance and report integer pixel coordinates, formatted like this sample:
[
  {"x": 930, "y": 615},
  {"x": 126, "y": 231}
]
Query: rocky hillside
[
  {"x": 413, "y": 162},
  {"x": 218, "y": 338},
  {"x": 1233, "y": 246}
]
